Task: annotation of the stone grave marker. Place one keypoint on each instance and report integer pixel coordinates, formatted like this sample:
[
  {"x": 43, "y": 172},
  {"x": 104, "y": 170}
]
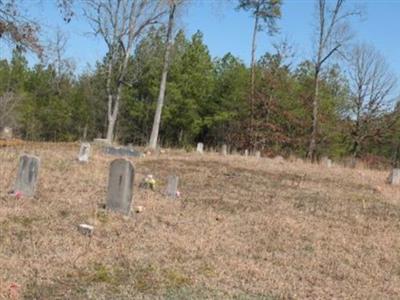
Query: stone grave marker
[
  {"x": 172, "y": 186},
  {"x": 200, "y": 148},
  {"x": 27, "y": 175},
  {"x": 120, "y": 186},
  {"x": 84, "y": 153},
  {"x": 224, "y": 150},
  {"x": 122, "y": 151},
  {"x": 6, "y": 133},
  {"x": 246, "y": 152},
  {"x": 258, "y": 154},
  {"x": 326, "y": 161},
  {"x": 394, "y": 177}
]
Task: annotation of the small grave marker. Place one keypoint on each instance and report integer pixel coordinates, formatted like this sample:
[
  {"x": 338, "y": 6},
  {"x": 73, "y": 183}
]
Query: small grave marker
[
  {"x": 172, "y": 186},
  {"x": 394, "y": 177},
  {"x": 120, "y": 186},
  {"x": 246, "y": 152},
  {"x": 84, "y": 153},
  {"x": 200, "y": 148},
  {"x": 224, "y": 150},
  {"x": 27, "y": 175},
  {"x": 258, "y": 154}
]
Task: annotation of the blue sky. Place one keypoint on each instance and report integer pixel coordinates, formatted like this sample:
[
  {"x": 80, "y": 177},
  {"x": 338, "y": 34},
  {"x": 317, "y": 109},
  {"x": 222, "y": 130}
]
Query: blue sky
[{"x": 227, "y": 30}]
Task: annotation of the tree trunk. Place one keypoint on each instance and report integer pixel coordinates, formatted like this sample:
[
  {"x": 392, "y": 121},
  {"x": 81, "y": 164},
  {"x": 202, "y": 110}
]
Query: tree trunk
[
  {"x": 312, "y": 150},
  {"x": 163, "y": 84},
  {"x": 253, "y": 77}
]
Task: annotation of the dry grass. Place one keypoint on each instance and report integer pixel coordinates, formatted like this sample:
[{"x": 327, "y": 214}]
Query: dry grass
[{"x": 243, "y": 229}]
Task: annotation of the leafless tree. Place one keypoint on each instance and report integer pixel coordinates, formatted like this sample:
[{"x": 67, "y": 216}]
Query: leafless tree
[
  {"x": 173, "y": 5},
  {"x": 120, "y": 23},
  {"x": 332, "y": 34},
  {"x": 371, "y": 83}
]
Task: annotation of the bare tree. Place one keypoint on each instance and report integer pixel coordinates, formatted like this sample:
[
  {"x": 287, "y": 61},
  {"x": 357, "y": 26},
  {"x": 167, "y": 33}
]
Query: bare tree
[
  {"x": 120, "y": 23},
  {"x": 173, "y": 4},
  {"x": 265, "y": 14},
  {"x": 371, "y": 83},
  {"x": 332, "y": 34}
]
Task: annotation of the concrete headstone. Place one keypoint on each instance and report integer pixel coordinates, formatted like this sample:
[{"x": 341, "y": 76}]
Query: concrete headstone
[
  {"x": 394, "y": 177},
  {"x": 246, "y": 152},
  {"x": 258, "y": 154},
  {"x": 84, "y": 153},
  {"x": 200, "y": 148},
  {"x": 120, "y": 186},
  {"x": 224, "y": 150},
  {"x": 172, "y": 186},
  {"x": 27, "y": 176}
]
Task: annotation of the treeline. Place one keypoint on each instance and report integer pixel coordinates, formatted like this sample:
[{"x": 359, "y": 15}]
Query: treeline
[{"x": 206, "y": 100}]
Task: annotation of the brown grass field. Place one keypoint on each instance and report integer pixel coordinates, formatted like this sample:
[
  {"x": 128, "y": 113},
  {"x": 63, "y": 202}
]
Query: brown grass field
[{"x": 242, "y": 229}]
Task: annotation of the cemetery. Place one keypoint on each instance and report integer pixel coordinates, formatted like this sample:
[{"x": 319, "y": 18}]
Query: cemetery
[{"x": 216, "y": 225}]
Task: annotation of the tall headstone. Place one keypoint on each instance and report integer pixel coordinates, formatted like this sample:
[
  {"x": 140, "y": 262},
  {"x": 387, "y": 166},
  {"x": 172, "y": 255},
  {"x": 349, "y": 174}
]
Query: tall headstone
[
  {"x": 84, "y": 153},
  {"x": 394, "y": 177},
  {"x": 224, "y": 150},
  {"x": 258, "y": 154},
  {"x": 27, "y": 176},
  {"x": 120, "y": 186},
  {"x": 200, "y": 148},
  {"x": 172, "y": 186},
  {"x": 246, "y": 152}
]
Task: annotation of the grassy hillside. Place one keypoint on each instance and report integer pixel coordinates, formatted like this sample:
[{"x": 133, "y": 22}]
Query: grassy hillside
[{"x": 242, "y": 229}]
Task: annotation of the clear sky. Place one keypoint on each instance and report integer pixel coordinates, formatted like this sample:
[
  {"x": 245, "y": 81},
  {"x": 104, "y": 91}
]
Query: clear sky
[{"x": 227, "y": 30}]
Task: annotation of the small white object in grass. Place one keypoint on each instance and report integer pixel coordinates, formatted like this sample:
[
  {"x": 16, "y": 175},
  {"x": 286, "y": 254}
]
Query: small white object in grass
[
  {"x": 86, "y": 229},
  {"x": 139, "y": 209}
]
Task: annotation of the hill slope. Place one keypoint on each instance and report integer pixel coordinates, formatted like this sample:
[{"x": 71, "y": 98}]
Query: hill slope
[{"x": 242, "y": 229}]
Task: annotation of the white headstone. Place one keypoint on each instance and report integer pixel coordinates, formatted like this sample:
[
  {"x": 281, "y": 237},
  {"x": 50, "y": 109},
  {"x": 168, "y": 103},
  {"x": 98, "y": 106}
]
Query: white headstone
[
  {"x": 246, "y": 152},
  {"x": 394, "y": 177},
  {"x": 84, "y": 153},
  {"x": 27, "y": 175},
  {"x": 224, "y": 150},
  {"x": 200, "y": 148},
  {"x": 258, "y": 154},
  {"x": 120, "y": 186}
]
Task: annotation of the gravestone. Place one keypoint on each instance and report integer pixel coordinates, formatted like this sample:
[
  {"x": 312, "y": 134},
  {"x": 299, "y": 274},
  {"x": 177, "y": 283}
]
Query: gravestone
[
  {"x": 394, "y": 177},
  {"x": 172, "y": 186},
  {"x": 122, "y": 151},
  {"x": 27, "y": 175},
  {"x": 200, "y": 148},
  {"x": 246, "y": 152},
  {"x": 326, "y": 161},
  {"x": 6, "y": 133},
  {"x": 101, "y": 142},
  {"x": 120, "y": 186},
  {"x": 84, "y": 153},
  {"x": 258, "y": 154},
  {"x": 224, "y": 150}
]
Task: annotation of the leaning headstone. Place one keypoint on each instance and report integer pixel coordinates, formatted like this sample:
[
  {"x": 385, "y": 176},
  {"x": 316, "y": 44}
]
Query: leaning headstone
[
  {"x": 394, "y": 177},
  {"x": 172, "y": 186},
  {"x": 224, "y": 150},
  {"x": 84, "y": 153},
  {"x": 122, "y": 151},
  {"x": 27, "y": 176},
  {"x": 200, "y": 148},
  {"x": 258, "y": 154},
  {"x": 120, "y": 186}
]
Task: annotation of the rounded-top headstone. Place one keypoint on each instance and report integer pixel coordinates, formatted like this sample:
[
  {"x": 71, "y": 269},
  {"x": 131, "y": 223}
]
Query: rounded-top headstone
[
  {"x": 28, "y": 171},
  {"x": 120, "y": 186}
]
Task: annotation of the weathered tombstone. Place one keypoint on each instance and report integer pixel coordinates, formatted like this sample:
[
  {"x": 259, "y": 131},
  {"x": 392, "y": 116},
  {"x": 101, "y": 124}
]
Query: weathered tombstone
[
  {"x": 6, "y": 133},
  {"x": 394, "y": 177},
  {"x": 200, "y": 148},
  {"x": 258, "y": 154},
  {"x": 101, "y": 142},
  {"x": 122, "y": 151},
  {"x": 246, "y": 152},
  {"x": 326, "y": 161},
  {"x": 84, "y": 153},
  {"x": 172, "y": 186},
  {"x": 27, "y": 176},
  {"x": 120, "y": 186},
  {"x": 224, "y": 150}
]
